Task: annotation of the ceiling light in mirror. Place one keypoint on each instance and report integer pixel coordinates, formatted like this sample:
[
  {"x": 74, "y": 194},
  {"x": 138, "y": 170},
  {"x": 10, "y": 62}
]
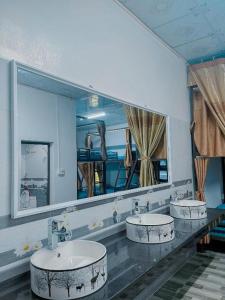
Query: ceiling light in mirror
[
  {"x": 94, "y": 101},
  {"x": 97, "y": 115}
]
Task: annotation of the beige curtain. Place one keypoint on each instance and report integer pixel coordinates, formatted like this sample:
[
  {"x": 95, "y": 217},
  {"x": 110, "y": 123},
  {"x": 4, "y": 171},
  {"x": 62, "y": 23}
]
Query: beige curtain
[
  {"x": 190, "y": 80},
  {"x": 210, "y": 78},
  {"x": 128, "y": 151},
  {"x": 161, "y": 151},
  {"x": 213, "y": 224},
  {"x": 208, "y": 137},
  {"x": 87, "y": 171},
  {"x": 147, "y": 130},
  {"x": 201, "y": 164}
]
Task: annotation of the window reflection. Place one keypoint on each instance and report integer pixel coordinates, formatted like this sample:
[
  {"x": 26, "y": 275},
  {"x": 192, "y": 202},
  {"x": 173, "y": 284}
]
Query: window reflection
[{"x": 34, "y": 184}]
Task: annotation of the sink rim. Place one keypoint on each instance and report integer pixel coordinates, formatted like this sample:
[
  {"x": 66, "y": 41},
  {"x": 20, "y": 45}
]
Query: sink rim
[
  {"x": 141, "y": 224},
  {"x": 35, "y": 265},
  {"x": 179, "y": 203}
]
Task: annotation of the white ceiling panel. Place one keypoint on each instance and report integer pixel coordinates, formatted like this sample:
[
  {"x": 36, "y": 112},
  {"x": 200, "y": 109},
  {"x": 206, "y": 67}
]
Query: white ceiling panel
[
  {"x": 193, "y": 28},
  {"x": 184, "y": 30},
  {"x": 155, "y": 13},
  {"x": 200, "y": 48}
]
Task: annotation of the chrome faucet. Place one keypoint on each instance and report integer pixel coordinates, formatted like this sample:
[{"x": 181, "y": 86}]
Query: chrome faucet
[
  {"x": 137, "y": 208},
  {"x": 176, "y": 196},
  {"x": 57, "y": 232}
]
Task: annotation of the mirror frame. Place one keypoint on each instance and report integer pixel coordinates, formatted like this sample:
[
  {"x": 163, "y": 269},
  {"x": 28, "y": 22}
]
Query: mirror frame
[{"x": 15, "y": 213}]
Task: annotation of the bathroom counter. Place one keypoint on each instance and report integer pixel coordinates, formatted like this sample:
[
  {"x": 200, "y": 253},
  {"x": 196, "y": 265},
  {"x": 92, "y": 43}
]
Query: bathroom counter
[{"x": 128, "y": 261}]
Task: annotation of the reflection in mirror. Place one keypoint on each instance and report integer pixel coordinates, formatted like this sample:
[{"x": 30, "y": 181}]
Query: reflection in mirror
[
  {"x": 34, "y": 186},
  {"x": 75, "y": 144},
  {"x": 119, "y": 147}
]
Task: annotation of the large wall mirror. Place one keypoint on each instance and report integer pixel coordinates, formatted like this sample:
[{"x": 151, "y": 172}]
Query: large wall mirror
[{"x": 71, "y": 144}]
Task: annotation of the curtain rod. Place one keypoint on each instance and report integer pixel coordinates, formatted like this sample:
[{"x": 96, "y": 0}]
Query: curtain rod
[{"x": 206, "y": 59}]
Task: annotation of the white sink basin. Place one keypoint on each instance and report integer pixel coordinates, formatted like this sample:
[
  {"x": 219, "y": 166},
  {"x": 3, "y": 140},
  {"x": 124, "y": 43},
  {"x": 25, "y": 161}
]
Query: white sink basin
[
  {"x": 73, "y": 270},
  {"x": 188, "y": 209},
  {"x": 150, "y": 228}
]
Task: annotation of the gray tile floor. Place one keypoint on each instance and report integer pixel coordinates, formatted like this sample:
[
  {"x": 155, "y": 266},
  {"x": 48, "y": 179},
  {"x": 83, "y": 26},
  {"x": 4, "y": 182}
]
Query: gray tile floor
[{"x": 203, "y": 277}]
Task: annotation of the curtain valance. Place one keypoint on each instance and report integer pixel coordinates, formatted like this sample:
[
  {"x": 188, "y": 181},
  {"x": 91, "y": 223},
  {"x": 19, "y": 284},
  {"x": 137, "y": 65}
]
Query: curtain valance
[
  {"x": 191, "y": 80},
  {"x": 208, "y": 137},
  {"x": 209, "y": 107}
]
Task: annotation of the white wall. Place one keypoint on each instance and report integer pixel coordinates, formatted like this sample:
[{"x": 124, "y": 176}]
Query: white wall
[
  {"x": 95, "y": 42},
  {"x": 91, "y": 42},
  {"x": 47, "y": 117}
]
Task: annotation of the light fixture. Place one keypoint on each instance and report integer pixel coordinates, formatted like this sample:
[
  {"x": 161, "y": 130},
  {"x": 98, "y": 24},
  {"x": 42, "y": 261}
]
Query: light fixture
[
  {"x": 93, "y": 101},
  {"x": 80, "y": 118},
  {"x": 97, "y": 115}
]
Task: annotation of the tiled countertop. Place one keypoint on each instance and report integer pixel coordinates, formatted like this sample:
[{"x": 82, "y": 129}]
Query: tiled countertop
[{"x": 127, "y": 260}]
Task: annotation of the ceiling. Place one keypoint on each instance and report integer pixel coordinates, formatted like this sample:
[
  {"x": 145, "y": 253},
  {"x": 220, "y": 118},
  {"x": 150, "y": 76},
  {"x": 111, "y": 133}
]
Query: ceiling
[{"x": 193, "y": 28}]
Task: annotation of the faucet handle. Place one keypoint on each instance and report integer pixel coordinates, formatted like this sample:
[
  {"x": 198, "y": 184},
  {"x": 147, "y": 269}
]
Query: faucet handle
[
  {"x": 135, "y": 202},
  {"x": 135, "y": 206},
  {"x": 55, "y": 223}
]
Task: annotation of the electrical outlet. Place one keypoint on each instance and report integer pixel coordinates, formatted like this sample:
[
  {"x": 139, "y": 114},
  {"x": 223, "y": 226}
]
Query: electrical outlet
[{"x": 61, "y": 172}]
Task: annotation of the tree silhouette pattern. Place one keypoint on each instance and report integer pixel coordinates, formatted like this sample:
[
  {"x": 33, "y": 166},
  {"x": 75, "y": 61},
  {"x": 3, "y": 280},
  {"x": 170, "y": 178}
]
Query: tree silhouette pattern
[
  {"x": 74, "y": 282},
  {"x": 66, "y": 280},
  {"x": 147, "y": 232},
  {"x": 39, "y": 282},
  {"x": 192, "y": 212}
]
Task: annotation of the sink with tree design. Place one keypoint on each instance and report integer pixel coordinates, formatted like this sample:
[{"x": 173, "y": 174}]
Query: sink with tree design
[
  {"x": 150, "y": 228},
  {"x": 188, "y": 209},
  {"x": 73, "y": 270}
]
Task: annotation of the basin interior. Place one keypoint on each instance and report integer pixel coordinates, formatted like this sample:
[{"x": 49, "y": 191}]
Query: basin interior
[
  {"x": 150, "y": 219},
  {"x": 69, "y": 255},
  {"x": 188, "y": 203}
]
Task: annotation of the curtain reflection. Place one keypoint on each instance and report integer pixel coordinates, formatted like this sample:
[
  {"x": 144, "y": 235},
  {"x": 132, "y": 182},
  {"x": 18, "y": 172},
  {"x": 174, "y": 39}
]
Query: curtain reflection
[
  {"x": 101, "y": 131},
  {"x": 147, "y": 129},
  {"x": 87, "y": 171},
  {"x": 128, "y": 151}
]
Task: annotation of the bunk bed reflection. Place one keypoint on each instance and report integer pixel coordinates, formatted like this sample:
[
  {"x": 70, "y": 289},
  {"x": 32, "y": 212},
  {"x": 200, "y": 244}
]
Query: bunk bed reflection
[
  {"x": 98, "y": 177},
  {"x": 117, "y": 170},
  {"x": 101, "y": 171}
]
